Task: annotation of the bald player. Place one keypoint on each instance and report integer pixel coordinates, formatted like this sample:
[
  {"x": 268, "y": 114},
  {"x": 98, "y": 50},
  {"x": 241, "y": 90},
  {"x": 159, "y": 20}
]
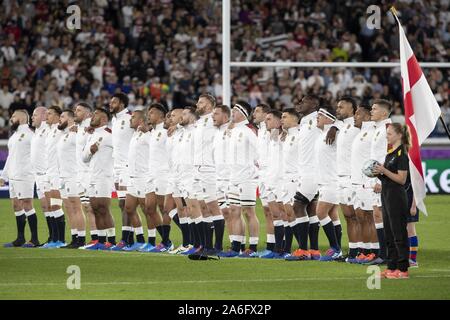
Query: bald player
[
  {"x": 39, "y": 162},
  {"x": 19, "y": 172}
]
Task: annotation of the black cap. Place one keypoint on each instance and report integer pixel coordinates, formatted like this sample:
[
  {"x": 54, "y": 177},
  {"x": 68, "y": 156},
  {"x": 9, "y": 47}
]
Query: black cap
[
  {"x": 105, "y": 110},
  {"x": 159, "y": 106}
]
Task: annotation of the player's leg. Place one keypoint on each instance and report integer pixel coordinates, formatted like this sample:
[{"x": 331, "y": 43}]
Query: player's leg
[
  {"x": 45, "y": 206},
  {"x": 165, "y": 208},
  {"x": 334, "y": 215},
  {"x": 104, "y": 207},
  {"x": 314, "y": 227},
  {"x": 126, "y": 225},
  {"x": 300, "y": 227},
  {"x": 19, "y": 213},
  {"x": 80, "y": 220},
  {"x": 59, "y": 222},
  {"x": 99, "y": 222},
  {"x": 71, "y": 220},
  {"x": 26, "y": 197},
  {"x": 413, "y": 243},
  {"x": 379, "y": 225},
  {"x": 131, "y": 204},
  {"x": 184, "y": 226},
  {"x": 248, "y": 209},
  {"x": 323, "y": 212}
]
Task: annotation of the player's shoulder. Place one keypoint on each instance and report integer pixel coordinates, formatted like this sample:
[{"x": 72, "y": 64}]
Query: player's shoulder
[{"x": 252, "y": 128}]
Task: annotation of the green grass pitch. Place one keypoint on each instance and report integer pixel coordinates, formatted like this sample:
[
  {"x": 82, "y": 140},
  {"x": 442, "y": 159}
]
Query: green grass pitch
[{"x": 41, "y": 274}]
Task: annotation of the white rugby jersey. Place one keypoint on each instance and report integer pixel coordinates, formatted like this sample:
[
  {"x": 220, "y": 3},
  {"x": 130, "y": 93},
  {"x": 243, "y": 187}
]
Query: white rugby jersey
[
  {"x": 51, "y": 142},
  {"x": 173, "y": 146},
  {"x": 66, "y": 150},
  {"x": 185, "y": 154},
  {"x": 243, "y": 153},
  {"x": 121, "y": 136},
  {"x": 81, "y": 139},
  {"x": 361, "y": 152},
  {"x": 263, "y": 146},
  {"x": 291, "y": 154},
  {"x": 100, "y": 163},
  {"x": 203, "y": 140},
  {"x": 38, "y": 149},
  {"x": 379, "y": 147},
  {"x": 345, "y": 137},
  {"x": 220, "y": 150},
  {"x": 158, "y": 155},
  {"x": 308, "y": 136},
  {"x": 326, "y": 159},
  {"x": 18, "y": 164},
  {"x": 275, "y": 158},
  {"x": 138, "y": 154}
]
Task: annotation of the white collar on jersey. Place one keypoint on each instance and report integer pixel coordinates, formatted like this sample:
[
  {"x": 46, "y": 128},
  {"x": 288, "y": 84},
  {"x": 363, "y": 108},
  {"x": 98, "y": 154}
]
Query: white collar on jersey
[
  {"x": 383, "y": 122},
  {"x": 224, "y": 126},
  {"x": 100, "y": 128},
  {"x": 349, "y": 120},
  {"x": 159, "y": 126},
  {"x": 368, "y": 125},
  {"x": 311, "y": 116},
  {"x": 22, "y": 127},
  {"x": 292, "y": 130},
  {"x": 121, "y": 113},
  {"x": 85, "y": 123},
  {"x": 241, "y": 124}
]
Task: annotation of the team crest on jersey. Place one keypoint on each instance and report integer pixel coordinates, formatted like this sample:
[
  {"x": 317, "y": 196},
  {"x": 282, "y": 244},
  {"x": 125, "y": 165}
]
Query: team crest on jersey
[{"x": 378, "y": 133}]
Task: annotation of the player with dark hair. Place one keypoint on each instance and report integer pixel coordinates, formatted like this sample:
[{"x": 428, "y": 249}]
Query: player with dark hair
[
  {"x": 83, "y": 114},
  {"x": 19, "y": 172},
  {"x": 362, "y": 192},
  {"x": 121, "y": 136},
  {"x": 67, "y": 163},
  {"x": 259, "y": 117},
  {"x": 345, "y": 110},
  {"x": 305, "y": 200},
  {"x": 98, "y": 152}
]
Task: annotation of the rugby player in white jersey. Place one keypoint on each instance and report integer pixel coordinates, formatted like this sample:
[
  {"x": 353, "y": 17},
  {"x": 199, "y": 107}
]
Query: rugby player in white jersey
[
  {"x": 121, "y": 136},
  {"x": 221, "y": 120},
  {"x": 19, "y": 172},
  {"x": 54, "y": 195},
  {"x": 327, "y": 180},
  {"x": 363, "y": 198},
  {"x": 380, "y": 112},
  {"x": 203, "y": 197},
  {"x": 39, "y": 163},
  {"x": 345, "y": 111},
  {"x": 184, "y": 168},
  {"x": 157, "y": 181},
  {"x": 98, "y": 152},
  {"x": 138, "y": 154},
  {"x": 83, "y": 114},
  {"x": 175, "y": 133},
  {"x": 259, "y": 117},
  {"x": 305, "y": 200},
  {"x": 290, "y": 175},
  {"x": 242, "y": 159},
  {"x": 274, "y": 187},
  {"x": 67, "y": 163}
]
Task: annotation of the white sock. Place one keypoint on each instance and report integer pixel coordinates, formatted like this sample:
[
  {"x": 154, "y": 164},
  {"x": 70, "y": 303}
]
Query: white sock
[
  {"x": 139, "y": 230},
  {"x": 379, "y": 225},
  {"x": 152, "y": 233},
  {"x": 270, "y": 238}
]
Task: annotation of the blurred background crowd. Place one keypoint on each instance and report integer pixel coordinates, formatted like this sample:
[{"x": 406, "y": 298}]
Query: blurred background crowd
[{"x": 170, "y": 51}]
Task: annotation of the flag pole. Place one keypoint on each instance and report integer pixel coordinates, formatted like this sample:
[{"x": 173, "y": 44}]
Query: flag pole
[{"x": 394, "y": 13}]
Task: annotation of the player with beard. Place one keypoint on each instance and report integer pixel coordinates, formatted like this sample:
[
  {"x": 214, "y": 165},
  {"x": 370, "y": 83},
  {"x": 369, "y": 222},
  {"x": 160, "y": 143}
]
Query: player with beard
[
  {"x": 184, "y": 169},
  {"x": 98, "y": 152},
  {"x": 19, "y": 172},
  {"x": 259, "y": 117},
  {"x": 221, "y": 120},
  {"x": 202, "y": 199},
  {"x": 173, "y": 147},
  {"x": 273, "y": 184},
  {"x": 345, "y": 110},
  {"x": 83, "y": 114},
  {"x": 39, "y": 163},
  {"x": 363, "y": 200},
  {"x": 121, "y": 136},
  {"x": 138, "y": 168},
  {"x": 67, "y": 161},
  {"x": 305, "y": 200},
  {"x": 242, "y": 159},
  {"x": 327, "y": 181},
  {"x": 157, "y": 181},
  {"x": 54, "y": 195}
]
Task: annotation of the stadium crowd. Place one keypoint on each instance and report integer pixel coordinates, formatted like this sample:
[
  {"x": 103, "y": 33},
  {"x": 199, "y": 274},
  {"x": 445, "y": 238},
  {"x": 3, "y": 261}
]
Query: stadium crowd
[{"x": 170, "y": 52}]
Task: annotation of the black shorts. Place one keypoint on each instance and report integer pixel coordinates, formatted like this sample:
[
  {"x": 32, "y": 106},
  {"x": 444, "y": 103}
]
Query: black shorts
[{"x": 411, "y": 218}]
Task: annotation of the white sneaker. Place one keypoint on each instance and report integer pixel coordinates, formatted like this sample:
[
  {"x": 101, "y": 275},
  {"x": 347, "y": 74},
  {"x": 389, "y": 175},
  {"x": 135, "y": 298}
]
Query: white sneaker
[
  {"x": 413, "y": 264},
  {"x": 186, "y": 249},
  {"x": 178, "y": 250}
]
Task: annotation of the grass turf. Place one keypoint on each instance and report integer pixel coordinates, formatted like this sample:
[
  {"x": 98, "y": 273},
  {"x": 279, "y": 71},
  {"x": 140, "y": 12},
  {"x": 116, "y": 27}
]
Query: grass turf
[{"x": 41, "y": 274}]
